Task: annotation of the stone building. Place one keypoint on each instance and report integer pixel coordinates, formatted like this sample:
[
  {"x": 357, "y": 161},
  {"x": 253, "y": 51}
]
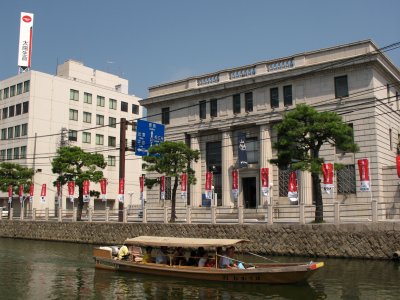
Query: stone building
[
  {"x": 356, "y": 80},
  {"x": 79, "y": 106}
]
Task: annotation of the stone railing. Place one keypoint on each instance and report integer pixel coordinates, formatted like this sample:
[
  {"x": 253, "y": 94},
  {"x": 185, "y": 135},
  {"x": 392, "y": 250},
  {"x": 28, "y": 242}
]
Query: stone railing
[
  {"x": 240, "y": 73},
  {"x": 284, "y": 214},
  {"x": 280, "y": 65}
]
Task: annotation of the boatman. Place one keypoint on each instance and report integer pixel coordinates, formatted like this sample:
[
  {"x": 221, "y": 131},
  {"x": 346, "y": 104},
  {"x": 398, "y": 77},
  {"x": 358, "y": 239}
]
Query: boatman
[{"x": 123, "y": 253}]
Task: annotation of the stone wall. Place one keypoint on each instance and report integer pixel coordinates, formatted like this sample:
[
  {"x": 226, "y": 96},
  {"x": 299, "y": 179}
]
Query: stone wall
[{"x": 372, "y": 240}]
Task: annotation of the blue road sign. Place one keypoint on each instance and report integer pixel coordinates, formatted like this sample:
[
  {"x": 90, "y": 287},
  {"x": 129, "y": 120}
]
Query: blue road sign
[{"x": 147, "y": 135}]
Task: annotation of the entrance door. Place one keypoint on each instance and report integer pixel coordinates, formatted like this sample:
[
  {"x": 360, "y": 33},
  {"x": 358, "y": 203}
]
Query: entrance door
[{"x": 249, "y": 185}]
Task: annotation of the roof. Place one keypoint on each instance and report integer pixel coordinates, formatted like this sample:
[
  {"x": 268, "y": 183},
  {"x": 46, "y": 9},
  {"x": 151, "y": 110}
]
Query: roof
[{"x": 158, "y": 241}]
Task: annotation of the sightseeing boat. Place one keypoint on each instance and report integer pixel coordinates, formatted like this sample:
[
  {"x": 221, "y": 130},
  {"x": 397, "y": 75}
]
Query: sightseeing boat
[{"x": 272, "y": 272}]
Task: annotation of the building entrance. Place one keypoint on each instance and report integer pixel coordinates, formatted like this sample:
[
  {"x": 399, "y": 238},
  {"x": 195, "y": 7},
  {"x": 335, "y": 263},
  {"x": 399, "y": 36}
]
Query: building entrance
[{"x": 249, "y": 185}]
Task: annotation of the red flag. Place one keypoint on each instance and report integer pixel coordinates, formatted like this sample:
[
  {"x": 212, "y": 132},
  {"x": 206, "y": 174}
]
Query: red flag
[
  {"x": 121, "y": 189},
  {"x": 235, "y": 183},
  {"x": 21, "y": 190},
  {"x": 162, "y": 187},
  {"x": 31, "y": 190},
  {"x": 292, "y": 188},
  {"x": 183, "y": 182},
  {"x": 10, "y": 190},
  {"x": 43, "y": 191},
  {"x": 398, "y": 165},
  {"x": 265, "y": 181},
  {"x": 209, "y": 176},
  {"x": 141, "y": 181},
  {"x": 327, "y": 170},
  {"x": 71, "y": 188},
  {"x": 58, "y": 188},
  {"x": 103, "y": 186},
  {"x": 86, "y": 185},
  {"x": 363, "y": 168}
]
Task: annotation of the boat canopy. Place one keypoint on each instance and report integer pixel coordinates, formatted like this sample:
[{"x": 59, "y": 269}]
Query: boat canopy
[{"x": 159, "y": 241}]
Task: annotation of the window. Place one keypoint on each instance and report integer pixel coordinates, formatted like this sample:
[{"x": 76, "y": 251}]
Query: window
[
  {"x": 4, "y": 134},
  {"x": 346, "y": 180},
  {"x": 6, "y": 93},
  {"x": 11, "y": 111},
  {"x": 24, "y": 129},
  {"x": 111, "y": 161},
  {"x": 73, "y": 135},
  {"x": 10, "y": 133},
  {"x": 99, "y": 139},
  {"x": 167, "y": 188},
  {"x": 274, "y": 93},
  {"x": 135, "y": 109},
  {"x": 214, "y": 163},
  {"x": 101, "y": 101},
  {"x": 112, "y": 122},
  {"x": 87, "y": 117},
  {"x": 27, "y": 86},
  {"x": 25, "y": 107},
  {"x": 213, "y": 108},
  {"x": 74, "y": 95},
  {"x": 5, "y": 112},
  {"x": 73, "y": 114},
  {"x": 17, "y": 131},
  {"x": 236, "y": 104},
  {"x": 23, "y": 152},
  {"x": 283, "y": 182},
  {"x": 248, "y": 98},
  {"x": 287, "y": 95},
  {"x": 341, "y": 87},
  {"x": 12, "y": 91},
  {"x": 9, "y": 154},
  {"x": 2, "y": 155},
  {"x": 165, "y": 115},
  {"x": 18, "y": 109},
  {"x": 252, "y": 147},
  {"x": 99, "y": 120},
  {"x": 16, "y": 153},
  {"x": 87, "y": 98},
  {"x": 19, "y": 88},
  {"x": 86, "y": 137},
  {"x": 203, "y": 109},
  {"x": 124, "y": 106},
  {"x": 112, "y": 104},
  {"x": 112, "y": 141}
]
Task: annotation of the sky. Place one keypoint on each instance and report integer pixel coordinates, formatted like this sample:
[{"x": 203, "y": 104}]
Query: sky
[{"x": 154, "y": 42}]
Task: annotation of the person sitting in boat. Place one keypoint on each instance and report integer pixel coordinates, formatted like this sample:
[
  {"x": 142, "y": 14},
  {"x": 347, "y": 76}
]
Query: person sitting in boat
[
  {"x": 226, "y": 260},
  {"x": 203, "y": 260},
  {"x": 147, "y": 256},
  {"x": 192, "y": 259},
  {"x": 179, "y": 258},
  {"x": 162, "y": 255},
  {"x": 123, "y": 253}
]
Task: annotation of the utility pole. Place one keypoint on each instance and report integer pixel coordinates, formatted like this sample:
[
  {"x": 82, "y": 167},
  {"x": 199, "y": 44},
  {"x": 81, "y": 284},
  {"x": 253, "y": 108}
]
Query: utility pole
[
  {"x": 63, "y": 143},
  {"x": 122, "y": 148}
]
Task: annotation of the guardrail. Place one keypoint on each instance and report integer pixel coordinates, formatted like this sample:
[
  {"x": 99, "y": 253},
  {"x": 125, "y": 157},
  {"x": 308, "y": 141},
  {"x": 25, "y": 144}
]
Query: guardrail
[{"x": 287, "y": 214}]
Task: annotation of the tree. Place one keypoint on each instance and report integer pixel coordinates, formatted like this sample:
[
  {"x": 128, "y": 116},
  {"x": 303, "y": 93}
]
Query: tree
[
  {"x": 171, "y": 159},
  {"x": 74, "y": 164},
  {"x": 301, "y": 135},
  {"x": 15, "y": 175}
]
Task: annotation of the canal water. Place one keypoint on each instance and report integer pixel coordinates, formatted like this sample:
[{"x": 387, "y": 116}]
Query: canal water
[{"x": 52, "y": 270}]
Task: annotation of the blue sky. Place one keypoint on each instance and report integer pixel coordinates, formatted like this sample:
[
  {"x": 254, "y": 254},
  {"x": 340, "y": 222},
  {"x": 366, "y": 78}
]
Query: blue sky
[{"x": 152, "y": 42}]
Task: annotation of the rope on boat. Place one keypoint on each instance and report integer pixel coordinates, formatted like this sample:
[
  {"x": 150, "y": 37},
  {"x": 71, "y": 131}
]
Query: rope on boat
[{"x": 266, "y": 258}]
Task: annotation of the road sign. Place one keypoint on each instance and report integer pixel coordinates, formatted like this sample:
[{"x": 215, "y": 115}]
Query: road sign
[{"x": 147, "y": 135}]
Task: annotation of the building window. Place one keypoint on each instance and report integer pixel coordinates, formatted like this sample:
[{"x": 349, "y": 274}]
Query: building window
[
  {"x": 203, "y": 109},
  {"x": 236, "y": 103},
  {"x": 23, "y": 152},
  {"x": 214, "y": 108},
  {"x": 252, "y": 148},
  {"x": 19, "y": 88},
  {"x": 112, "y": 122},
  {"x": 73, "y": 114},
  {"x": 111, "y": 161},
  {"x": 25, "y": 107},
  {"x": 24, "y": 129},
  {"x": 74, "y": 95},
  {"x": 341, "y": 87},
  {"x": 4, "y": 134},
  {"x": 101, "y": 101},
  {"x": 86, "y": 137},
  {"x": 12, "y": 91},
  {"x": 274, "y": 93},
  {"x": 16, "y": 153},
  {"x": 10, "y": 133},
  {"x": 112, "y": 141},
  {"x": 346, "y": 180},
  {"x": 112, "y": 104},
  {"x": 135, "y": 109},
  {"x": 165, "y": 115},
  {"x": 5, "y": 112},
  {"x": 17, "y": 131},
  {"x": 214, "y": 163},
  {"x": 27, "y": 86},
  {"x": 9, "y": 154},
  {"x": 87, "y": 117},
  {"x": 287, "y": 95},
  {"x": 87, "y": 98},
  {"x": 11, "y": 111},
  {"x": 6, "y": 93},
  {"x": 73, "y": 135},
  {"x": 99, "y": 120},
  {"x": 99, "y": 139},
  {"x": 124, "y": 106},
  {"x": 248, "y": 98},
  {"x": 18, "y": 109},
  {"x": 2, "y": 155}
]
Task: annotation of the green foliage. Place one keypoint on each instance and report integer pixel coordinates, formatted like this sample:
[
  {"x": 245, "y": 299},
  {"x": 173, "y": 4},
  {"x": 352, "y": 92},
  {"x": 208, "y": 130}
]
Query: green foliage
[{"x": 14, "y": 174}]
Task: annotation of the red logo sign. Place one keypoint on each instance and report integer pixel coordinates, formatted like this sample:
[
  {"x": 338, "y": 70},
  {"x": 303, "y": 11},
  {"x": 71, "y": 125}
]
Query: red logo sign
[
  {"x": 26, "y": 19},
  {"x": 327, "y": 170}
]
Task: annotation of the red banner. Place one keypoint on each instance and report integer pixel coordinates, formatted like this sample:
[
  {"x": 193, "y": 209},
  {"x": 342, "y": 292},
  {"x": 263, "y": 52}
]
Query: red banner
[
  {"x": 141, "y": 181},
  {"x": 10, "y": 191},
  {"x": 265, "y": 181},
  {"x": 31, "y": 190},
  {"x": 398, "y": 165},
  {"x": 162, "y": 187},
  {"x": 86, "y": 185},
  {"x": 327, "y": 170},
  {"x": 209, "y": 177},
  {"x": 43, "y": 194},
  {"x": 103, "y": 186},
  {"x": 58, "y": 188},
  {"x": 292, "y": 188},
  {"x": 235, "y": 183},
  {"x": 183, "y": 182},
  {"x": 363, "y": 168},
  {"x": 121, "y": 189},
  {"x": 21, "y": 190},
  {"x": 71, "y": 188}
]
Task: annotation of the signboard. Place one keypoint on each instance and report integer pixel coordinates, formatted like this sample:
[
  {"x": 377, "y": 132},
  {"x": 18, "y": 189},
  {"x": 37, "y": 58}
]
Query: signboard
[
  {"x": 86, "y": 196},
  {"x": 265, "y": 181},
  {"x": 209, "y": 176},
  {"x": 25, "y": 40},
  {"x": 363, "y": 168},
  {"x": 242, "y": 152},
  {"x": 103, "y": 188},
  {"x": 147, "y": 135},
  {"x": 71, "y": 190},
  {"x": 183, "y": 185},
  {"x": 162, "y": 187},
  {"x": 121, "y": 190},
  {"x": 43, "y": 194},
  {"x": 235, "y": 183},
  {"x": 292, "y": 188},
  {"x": 327, "y": 170},
  {"x": 31, "y": 191}
]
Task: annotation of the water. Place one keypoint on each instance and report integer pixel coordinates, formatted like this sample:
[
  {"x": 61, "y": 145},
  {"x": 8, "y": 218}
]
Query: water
[{"x": 51, "y": 270}]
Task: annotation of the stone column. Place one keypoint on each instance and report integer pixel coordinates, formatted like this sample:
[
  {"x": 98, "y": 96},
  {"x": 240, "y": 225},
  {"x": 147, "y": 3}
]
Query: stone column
[
  {"x": 195, "y": 190},
  {"x": 265, "y": 156},
  {"x": 227, "y": 161},
  {"x": 305, "y": 189}
]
